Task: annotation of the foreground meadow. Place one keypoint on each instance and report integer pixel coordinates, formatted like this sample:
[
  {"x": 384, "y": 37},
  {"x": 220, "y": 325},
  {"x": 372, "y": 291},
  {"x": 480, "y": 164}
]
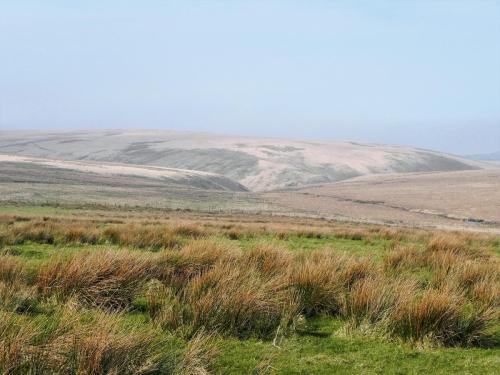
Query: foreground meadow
[{"x": 95, "y": 291}]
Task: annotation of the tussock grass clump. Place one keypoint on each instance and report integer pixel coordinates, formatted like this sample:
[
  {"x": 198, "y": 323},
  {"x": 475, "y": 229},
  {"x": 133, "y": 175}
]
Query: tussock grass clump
[
  {"x": 198, "y": 356},
  {"x": 166, "y": 309},
  {"x": 36, "y": 231},
  {"x": 323, "y": 278},
  {"x": 188, "y": 230},
  {"x": 237, "y": 233},
  {"x": 108, "y": 279},
  {"x": 402, "y": 309},
  {"x": 11, "y": 269},
  {"x": 204, "y": 253},
  {"x": 352, "y": 234},
  {"x": 17, "y": 341},
  {"x": 211, "y": 287},
  {"x": 15, "y": 295},
  {"x": 403, "y": 257},
  {"x": 441, "y": 253},
  {"x": 77, "y": 233},
  {"x": 239, "y": 300},
  {"x": 451, "y": 244},
  {"x": 56, "y": 231},
  {"x": 176, "y": 268},
  {"x": 396, "y": 234},
  {"x": 486, "y": 293},
  {"x": 480, "y": 281},
  {"x": 268, "y": 259},
  {"x": 317, "y": 286},
  {"x": 439, "y": 315},
  {"x": 102, "y": 346},
  {"x": 371, "y": 300},
  {"x": 71, "y": 343},
  {"x": 142, "y": 237},
  {"x": 18, "y": 297},
  {"x": 310, "y": 233}
]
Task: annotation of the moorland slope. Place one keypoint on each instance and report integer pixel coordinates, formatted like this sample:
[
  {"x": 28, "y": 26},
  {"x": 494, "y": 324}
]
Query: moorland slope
[{"x": 257, "y": 163}]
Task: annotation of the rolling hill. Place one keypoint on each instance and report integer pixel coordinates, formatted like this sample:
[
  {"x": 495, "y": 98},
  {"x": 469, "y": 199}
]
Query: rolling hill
[
  {"x": 30, "y": 169},
  {"x": 259, "y": 164},
  {"x": 29, "y": 180}
]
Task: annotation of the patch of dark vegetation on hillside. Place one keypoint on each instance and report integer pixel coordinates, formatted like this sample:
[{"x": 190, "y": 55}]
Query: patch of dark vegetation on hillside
[
  {"x": 429, "y": 162},
  {"x": 306, "y": 174},
  {"x": 281, "y": 148},
  {"x": 233, "y": 164}
]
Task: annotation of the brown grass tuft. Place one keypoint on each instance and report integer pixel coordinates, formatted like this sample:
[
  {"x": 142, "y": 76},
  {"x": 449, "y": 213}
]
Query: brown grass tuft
[
  {"x": 268, "y": 259},
  {"x": 107, "y": 279},
  {"x": 176, "y": 268},
  {"x": 370, "y": 300},
  {"x": 453, "y": 244},
  {"x": 67, "y": 344},
  {"x": 439, "y": 315},
  {"x": 198, "y": 356},
  {"x": 323, "y": 279},
  {"x": 11, "y": 269},
  {"x": 238, "y": 300}
]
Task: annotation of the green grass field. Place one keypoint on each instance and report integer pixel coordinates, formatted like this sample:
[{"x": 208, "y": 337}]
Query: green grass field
[{"x": 320, "y": 341}]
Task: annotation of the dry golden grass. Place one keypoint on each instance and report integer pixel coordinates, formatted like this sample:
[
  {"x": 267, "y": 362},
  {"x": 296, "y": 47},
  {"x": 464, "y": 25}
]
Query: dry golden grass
[
  {"x": 166, "y": 309},
  {"x": 11, "y": 269},
  {"x": 177, "y": 268},
  {"x": 107, "y": 279},
  {"x": 440, "y": 315},
  {"x": 134, "y": 234},
  {"x": 444, "y": 288},
  {"x": 140, "y": 236},
  {"x": 198, "y": 355},
  {"x": 18, "y": 297},
  {"x": 269, "y": 259},
  {"x": 153, "y": 231},
  {"x": 401, "y": 257},
  {"x": 323, "y": 279},
  {"x": 68, "y": 344},
  {"x": 16, "y": 339},
  {"x": 371, "y": 300},
  {"x": 238, "y": 300}
]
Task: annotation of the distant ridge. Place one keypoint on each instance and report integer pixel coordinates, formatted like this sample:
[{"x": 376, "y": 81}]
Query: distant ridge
[
  {"x": 259, "y": 164},
  {"x": 494, "y": 156}
]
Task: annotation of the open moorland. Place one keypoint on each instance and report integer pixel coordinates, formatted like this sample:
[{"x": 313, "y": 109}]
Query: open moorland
[
  {"x": 350, "y": 181},
  {"x": 442, "y": 199},
  {"x": 180, "y": 253},
  {"x": 454, "y": 200},
  {"x": 47, "y": 181},
  {"x": 259, "y": 164},
  {"x": 127, "y": 291}
]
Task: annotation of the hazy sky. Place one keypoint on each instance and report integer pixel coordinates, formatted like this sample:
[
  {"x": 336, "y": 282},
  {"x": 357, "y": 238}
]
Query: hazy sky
[{"x": 424, "y": 73}]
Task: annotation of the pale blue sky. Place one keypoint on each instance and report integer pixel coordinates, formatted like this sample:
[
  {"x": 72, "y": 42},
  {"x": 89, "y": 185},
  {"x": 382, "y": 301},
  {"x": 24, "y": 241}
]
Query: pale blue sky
[{"x": 424, "y": 73}]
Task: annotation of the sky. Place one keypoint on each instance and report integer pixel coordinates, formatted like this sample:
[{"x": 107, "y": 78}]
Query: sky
[{"x": 422, "y": 73}]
